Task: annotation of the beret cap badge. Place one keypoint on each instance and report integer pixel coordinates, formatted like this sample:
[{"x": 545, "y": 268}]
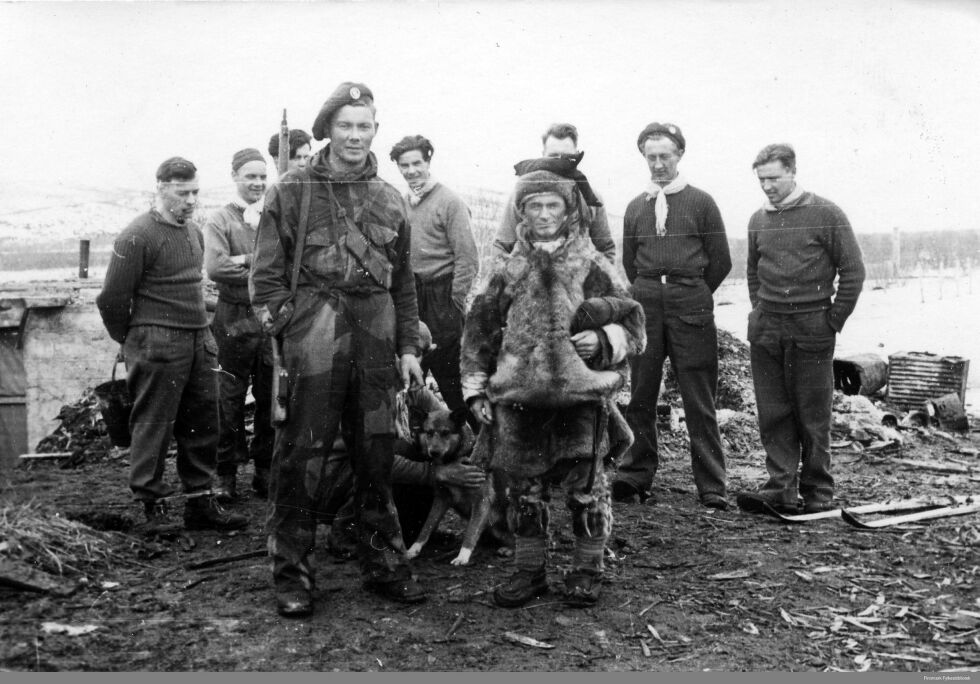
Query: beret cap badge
[{"x": 347, "y": 93}]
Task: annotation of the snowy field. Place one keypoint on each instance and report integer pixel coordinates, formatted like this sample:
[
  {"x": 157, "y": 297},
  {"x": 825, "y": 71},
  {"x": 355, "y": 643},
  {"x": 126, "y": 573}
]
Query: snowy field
[{"x": 937, "y": 314}]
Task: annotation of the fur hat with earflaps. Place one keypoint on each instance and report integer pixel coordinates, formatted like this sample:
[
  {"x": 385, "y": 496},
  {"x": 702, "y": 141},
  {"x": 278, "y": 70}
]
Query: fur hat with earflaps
[{"x": 540, "y": 182}]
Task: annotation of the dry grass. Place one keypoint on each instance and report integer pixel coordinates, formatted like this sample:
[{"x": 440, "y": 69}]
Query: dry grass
[{"x": 52, "y": 543}]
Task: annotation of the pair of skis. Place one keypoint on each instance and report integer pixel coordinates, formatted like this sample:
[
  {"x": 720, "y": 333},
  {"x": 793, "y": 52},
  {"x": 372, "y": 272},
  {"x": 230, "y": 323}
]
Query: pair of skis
[{"x": 917, "y": 509}]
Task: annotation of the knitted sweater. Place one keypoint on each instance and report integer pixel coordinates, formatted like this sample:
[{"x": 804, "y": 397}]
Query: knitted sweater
[
  {"x": 796, "y": 252},
  {"x": 226, "y": 235},
  {"x": 442, "y": 241},
  {"x": 695, "y": 244},
  {"x": 154, "y": 278}
]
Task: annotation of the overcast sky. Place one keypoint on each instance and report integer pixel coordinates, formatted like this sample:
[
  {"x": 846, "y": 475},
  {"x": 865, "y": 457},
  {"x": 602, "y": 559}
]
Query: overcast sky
[{"x": 881, "y": 99}]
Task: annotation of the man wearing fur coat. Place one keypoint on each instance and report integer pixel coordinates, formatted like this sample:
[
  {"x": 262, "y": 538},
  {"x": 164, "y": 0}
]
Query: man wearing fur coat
[{"x": 545, "y": 348}]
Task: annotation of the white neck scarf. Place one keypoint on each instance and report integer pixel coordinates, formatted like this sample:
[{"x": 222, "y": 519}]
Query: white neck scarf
[
  {"x": 660, "y": 205},
  {"x": 252, "y": 212},
  {"x": 790, "y": 199},
  {"x": 414, "y": 196}
]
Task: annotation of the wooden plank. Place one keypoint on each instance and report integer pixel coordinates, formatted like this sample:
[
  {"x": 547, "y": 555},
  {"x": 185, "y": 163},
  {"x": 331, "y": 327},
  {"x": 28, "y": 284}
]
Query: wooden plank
[
  {"x": 946, "y": 512},
  {"x": 22, "y": 576}
]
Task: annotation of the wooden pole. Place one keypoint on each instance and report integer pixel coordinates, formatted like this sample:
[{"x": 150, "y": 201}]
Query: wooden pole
[{"x": 83, "y": 248}]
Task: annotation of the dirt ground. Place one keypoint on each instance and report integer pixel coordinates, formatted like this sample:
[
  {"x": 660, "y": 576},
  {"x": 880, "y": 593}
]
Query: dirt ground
[{"x": 687, "y": 588}]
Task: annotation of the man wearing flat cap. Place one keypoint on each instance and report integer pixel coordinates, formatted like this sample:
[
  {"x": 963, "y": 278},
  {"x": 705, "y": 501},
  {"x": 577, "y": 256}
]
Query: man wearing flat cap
[
  {"x": 675, "y": 253},
  {"x": 299, "y": 148},
  {"x": 153, "y": 305},
  {"x": 545, "y": 349},
  {"x": 342, "y": 307},
  {"x": 560, "y": 155},
  {"x": 243, "y": 348}
]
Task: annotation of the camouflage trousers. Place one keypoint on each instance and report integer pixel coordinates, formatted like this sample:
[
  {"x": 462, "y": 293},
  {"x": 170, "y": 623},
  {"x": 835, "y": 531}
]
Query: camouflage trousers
[{"x": 340, "y": 354}]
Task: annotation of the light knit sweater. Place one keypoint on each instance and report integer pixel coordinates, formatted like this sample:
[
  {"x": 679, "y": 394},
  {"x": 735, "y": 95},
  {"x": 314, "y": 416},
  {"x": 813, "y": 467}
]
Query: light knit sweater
[{"x": 442, "y": 240}]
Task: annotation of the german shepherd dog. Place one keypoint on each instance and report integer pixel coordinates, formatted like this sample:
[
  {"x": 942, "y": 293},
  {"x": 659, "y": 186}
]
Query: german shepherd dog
[{"x": 446, "y": 438}]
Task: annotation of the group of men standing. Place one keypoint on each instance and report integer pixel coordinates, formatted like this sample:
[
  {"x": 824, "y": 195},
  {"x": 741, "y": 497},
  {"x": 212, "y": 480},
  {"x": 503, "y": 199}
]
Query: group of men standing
[{"x": 337, "y": 269}]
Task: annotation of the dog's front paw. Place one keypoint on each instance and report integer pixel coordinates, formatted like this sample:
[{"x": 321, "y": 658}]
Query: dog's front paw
[
  {"x": 463, "y": 558},
  {"x": 414, "y": 550},
  {"x": 505, "y": 552}
]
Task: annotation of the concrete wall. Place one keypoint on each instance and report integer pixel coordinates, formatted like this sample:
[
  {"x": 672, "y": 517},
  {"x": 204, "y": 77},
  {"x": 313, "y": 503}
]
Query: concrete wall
[{"x": 66, "y": 351}]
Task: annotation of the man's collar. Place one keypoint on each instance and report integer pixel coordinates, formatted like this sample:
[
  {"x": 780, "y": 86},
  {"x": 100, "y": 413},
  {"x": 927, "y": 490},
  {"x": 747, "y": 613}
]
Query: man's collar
[
  {"x": 790, "y": 200},
  {"x": 158, "y": 215},
  {"x": 415, "y": 197}
]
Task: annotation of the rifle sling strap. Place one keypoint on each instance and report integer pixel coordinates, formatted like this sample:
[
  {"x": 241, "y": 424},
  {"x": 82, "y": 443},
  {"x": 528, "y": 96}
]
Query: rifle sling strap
[
  {"x": 364, "y": 251},
  {"x": 301, "y": 230}
]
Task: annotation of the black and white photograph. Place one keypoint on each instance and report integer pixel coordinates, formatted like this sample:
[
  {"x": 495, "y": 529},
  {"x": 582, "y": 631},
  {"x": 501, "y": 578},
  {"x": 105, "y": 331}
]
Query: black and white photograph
[{"x": 474, "y": 336}]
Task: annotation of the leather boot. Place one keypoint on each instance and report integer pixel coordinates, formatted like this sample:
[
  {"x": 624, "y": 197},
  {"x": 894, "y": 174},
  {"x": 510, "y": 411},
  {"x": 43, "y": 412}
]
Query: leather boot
[
  {"x": 158, "y": 520},
  {"x": 260, "y": 483},
  {"x": 522, "y": 586},
  {"x": 226, "y": 490},
  {"x": 205, "y": 513}
]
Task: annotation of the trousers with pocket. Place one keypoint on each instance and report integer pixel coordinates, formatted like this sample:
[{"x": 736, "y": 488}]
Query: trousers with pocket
[
  {"x": 438, "y": 311},
  {"x": 680, "y": 325},
  {"x": 173, "y": 380},
  {"x": 245, "y": 357},
  {"x": 339, "y": 350},
  {"x": 792, "y": 370}
]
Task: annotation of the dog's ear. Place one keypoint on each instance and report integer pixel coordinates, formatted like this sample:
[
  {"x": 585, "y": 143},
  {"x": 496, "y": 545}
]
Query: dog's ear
[
  {"x": 459, "y": 417},
  {"x": 416, "y": 418}
]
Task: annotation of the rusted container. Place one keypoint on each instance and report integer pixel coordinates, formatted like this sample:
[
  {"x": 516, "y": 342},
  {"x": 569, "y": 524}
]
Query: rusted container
[
  {"x": 861, "y": 374},
  {"x": 916, "y": 377},
  {"x": 950, "y": 413}
]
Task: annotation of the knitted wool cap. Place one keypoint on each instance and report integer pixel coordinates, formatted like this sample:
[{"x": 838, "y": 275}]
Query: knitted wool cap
[
  {"x": 538, "y": 182},
  {"x": 345, "y": 94},
  {"x": 243, "y": 157},
  {"x": 659, "y": 130},
  {"x": 176, "y": 167}
]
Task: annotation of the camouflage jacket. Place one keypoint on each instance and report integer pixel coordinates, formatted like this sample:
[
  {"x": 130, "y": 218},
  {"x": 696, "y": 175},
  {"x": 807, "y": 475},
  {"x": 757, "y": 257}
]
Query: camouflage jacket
[{"x": 327, "y": 264}]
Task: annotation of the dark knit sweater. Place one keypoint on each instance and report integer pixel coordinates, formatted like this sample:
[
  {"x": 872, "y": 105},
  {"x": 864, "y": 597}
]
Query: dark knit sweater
[
  {"x": 154, "y": 278},
  {"x": 796, "y": 252},
  {"x": 695, "y": 244}
]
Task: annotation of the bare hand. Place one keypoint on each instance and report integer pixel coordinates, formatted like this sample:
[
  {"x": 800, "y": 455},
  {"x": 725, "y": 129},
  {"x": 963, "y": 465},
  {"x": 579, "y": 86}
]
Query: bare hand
[
  {"x": 411, "y": 371},
  {"x": 266, "y": 319},
  {"x": 460, "y": 474},
  {"x": 586, "y": 343},
  {"x": 483, "y": 410}
]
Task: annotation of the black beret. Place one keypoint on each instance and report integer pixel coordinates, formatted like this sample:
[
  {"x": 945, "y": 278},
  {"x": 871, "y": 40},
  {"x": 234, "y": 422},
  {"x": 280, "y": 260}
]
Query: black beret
[
  {"x": 345, "y": 94},
  {"x": 659, "y": 130},
  {"x": 243, "y": 157},
  {"x": 176, "y": 167}
]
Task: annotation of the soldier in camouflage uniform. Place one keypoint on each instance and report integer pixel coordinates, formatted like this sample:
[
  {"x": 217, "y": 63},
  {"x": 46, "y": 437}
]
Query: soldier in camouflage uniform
[{"x": 354, "y": 309}]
